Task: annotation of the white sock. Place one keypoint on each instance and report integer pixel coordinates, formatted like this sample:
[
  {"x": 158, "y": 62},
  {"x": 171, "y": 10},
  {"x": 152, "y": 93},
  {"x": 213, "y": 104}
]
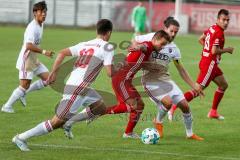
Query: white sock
[
  {"x": 162, "y": 111},
  {"x": 188, "y": 123},
  {"x": 18, "y": 92},
  {"x": 40, "y": 129},
  {"x": 39, "y": 84},
  {"x": 84, "y": 115}
]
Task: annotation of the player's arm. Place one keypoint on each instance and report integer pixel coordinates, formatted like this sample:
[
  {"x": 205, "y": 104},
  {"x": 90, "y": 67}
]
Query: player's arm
[
  {"x": 36, "y": 49},
  {"x": 202, "y": 39},
  {"x": 133, "y": 16},
  {"x": 138, "y": 47},
  {"x": 186, "y": 77},
  {"x": 217, "y": 50},
  {"x": 60, "y": 57}
]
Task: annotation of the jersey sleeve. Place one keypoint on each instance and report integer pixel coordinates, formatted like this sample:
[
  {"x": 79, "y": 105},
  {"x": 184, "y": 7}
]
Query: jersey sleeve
[
  {"x": 142, "y": 38},
  {"x": 75, "y": 50},
  {"x": 177, "y": 53},
  {"x": 108, "y": 56},
  {"x": 30, "y": 35},
  {"x": 216, "y": 39}
]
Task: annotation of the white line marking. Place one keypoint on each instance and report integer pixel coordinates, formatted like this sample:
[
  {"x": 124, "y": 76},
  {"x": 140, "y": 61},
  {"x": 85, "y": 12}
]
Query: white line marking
[{"x": 131, "y": 151}]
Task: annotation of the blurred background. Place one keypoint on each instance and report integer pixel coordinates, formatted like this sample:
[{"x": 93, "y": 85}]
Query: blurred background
[{"x": 194, "y": 15}]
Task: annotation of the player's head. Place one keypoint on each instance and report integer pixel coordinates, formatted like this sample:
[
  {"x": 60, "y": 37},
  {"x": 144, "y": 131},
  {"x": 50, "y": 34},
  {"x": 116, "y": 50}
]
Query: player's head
[
  {"x": 223, "y": 18},
  {"x": 171, "y": 26},
  {"x": 104, "y": 28},
  {"x": 160, "y": 39},
  {"x": 40, "y": 11},
  {"x": 140, "y": 3}
]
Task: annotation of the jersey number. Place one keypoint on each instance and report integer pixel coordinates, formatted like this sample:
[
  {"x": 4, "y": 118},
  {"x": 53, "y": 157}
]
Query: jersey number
[
  {"x": 85, "y": 56},
  {"x": 207, "y": 39}
]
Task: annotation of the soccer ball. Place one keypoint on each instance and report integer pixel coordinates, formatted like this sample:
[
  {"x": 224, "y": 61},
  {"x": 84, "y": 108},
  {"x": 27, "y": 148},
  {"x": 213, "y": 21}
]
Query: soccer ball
[{"x": 150, "y": 136}]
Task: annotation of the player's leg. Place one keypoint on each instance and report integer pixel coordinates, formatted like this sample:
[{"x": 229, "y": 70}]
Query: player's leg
[
  {"x": 187, "y": 117},
  {"x": 137, "y": 107},
  {"x": 95, "y": 108},
  {"x": 163, "y": 108},
  {"x": 222, "y": 84},
  {"x": 16, "y": 94},
  {"x": 41, "y": 129},
  {"x": 42, "y": 73}
]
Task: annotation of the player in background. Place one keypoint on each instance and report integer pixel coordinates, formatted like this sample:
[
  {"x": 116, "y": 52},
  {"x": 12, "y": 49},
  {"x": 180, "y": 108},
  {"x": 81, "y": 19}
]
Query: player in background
[
  {"x": 139, "y": 17},
  {"x": 129, "y": 100},
  {"x": 92, "y": 56},
  {"x": 28, "y": 63},
  {"x": 212, "y": 41},
  {"x": 157, "y": 82}
]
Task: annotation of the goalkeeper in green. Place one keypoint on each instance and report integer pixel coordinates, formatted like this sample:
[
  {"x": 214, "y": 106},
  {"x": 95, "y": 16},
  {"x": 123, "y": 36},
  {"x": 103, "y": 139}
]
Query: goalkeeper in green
[{"x": 139, "y": 18}]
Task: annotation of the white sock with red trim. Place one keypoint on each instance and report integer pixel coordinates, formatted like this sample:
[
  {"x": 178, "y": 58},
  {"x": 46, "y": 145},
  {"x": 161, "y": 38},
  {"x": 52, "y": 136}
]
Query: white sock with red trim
[
  {"x": 162, "y": 111},
  {"x": 40, "y": 129},
  {"x": 18, "y": 92}
]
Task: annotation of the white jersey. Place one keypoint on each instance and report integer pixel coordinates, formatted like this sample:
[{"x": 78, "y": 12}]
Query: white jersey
[
  {"x": 159, "y": 62},
  {"x": 91, "y": 57},
  {"x": 27, "y": 60}
]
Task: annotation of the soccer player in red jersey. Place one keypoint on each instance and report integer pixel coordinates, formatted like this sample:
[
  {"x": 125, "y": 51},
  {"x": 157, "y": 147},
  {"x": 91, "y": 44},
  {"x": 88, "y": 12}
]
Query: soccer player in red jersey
[
  {"x": 128, "y": 98},
  {"x": 212, "y": 41}
]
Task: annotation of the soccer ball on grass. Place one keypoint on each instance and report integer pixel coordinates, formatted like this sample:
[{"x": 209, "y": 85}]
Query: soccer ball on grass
[{"x": 150, "y": 136}]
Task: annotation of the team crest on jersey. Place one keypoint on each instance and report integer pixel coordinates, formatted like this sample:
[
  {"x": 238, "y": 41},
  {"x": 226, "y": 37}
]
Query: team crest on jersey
[{"x": 170, "y": 50}]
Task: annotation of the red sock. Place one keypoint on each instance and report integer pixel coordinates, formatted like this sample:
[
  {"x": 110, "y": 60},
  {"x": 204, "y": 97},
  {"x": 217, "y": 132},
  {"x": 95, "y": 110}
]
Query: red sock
[
  {"x": 174, "y": 107},
  {"x": 133, "y": 119},
  {"x": 119, "y": 108},
  {"x": 217, "y": 98},
  {"x": 190, "y": 95}
]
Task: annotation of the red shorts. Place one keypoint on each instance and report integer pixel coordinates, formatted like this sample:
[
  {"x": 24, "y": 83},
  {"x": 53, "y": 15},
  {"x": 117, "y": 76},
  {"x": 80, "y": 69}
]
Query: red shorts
[
  {"x": 124, "y": 90},
  {"x": 208, "y": 72}
]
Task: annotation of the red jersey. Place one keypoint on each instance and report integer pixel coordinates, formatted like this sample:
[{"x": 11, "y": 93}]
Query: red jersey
[
  {"x": 134, "y": 62},
  {"x": 214, "y": 37}
]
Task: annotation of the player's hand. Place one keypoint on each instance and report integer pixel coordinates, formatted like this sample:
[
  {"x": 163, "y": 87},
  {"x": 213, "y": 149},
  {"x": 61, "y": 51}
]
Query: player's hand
[
  {"x": 51, "y": 78},
  {"x": 49, "y": 54},
  {"x": 229, "y": 49},
  {"x": 199, "y": 90}
]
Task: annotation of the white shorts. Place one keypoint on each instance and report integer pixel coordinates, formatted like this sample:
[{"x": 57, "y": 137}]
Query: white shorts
[
  {"x": 29, "y": 75},
  {"x": 71, "y": 104},
  {"x": 160, "y": 89}
]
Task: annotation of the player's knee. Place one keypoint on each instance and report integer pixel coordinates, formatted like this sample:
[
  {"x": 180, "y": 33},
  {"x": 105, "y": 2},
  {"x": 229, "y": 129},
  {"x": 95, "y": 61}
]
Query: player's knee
[
  {"x": 140, "y": 105},
  {"x": 224, "y": 86},
  {"x": 168, "y": 104},
  {"x": 98, "y": 108},
  {"x": 56, "y": 123}
]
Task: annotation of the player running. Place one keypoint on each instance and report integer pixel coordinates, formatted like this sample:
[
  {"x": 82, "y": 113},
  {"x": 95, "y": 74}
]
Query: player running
[
  {"x": 92, "y": 56},
  {"x": 212, "y": 41},
  {"x": 28, "y": 63},
  {"x": 158, "y": 84},
  {"x": 128, "y": 98}
]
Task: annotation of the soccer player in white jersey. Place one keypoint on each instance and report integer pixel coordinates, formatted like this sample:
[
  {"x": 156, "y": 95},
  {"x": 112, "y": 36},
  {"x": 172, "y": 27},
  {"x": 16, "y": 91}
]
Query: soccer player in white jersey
[
  {"x": 158, "y": 84},
  {"x": 28, "y": 63},
  {"x": 92, "y": 56}
]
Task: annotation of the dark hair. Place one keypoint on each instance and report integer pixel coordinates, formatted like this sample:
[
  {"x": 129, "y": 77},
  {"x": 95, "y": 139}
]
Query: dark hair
[
  {"x": 104, "y": 26},
  {"x": 39, "y": 6},
  {"x": 171, "y": 21},
  {"x": 222, "y": 11},
  {"x": 161, "y": 34}
]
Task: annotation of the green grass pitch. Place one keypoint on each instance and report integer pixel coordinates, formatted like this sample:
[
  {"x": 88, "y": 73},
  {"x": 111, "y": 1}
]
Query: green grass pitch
[{"x": 102, "y": 139}]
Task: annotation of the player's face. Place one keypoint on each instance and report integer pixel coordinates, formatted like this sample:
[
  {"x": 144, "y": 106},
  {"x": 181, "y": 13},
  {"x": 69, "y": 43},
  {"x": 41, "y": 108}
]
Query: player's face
[
  {"x": 223, "y": 21},
  {"x": 40, "y": 15},
  {"x": 159, "y": 44},
  {"x": 108, "y": 36},
  {"x": 172, "y": 30}
]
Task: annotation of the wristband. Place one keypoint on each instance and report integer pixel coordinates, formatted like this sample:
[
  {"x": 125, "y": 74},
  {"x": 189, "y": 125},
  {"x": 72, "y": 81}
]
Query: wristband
[{"x": 44, "y": 52}]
